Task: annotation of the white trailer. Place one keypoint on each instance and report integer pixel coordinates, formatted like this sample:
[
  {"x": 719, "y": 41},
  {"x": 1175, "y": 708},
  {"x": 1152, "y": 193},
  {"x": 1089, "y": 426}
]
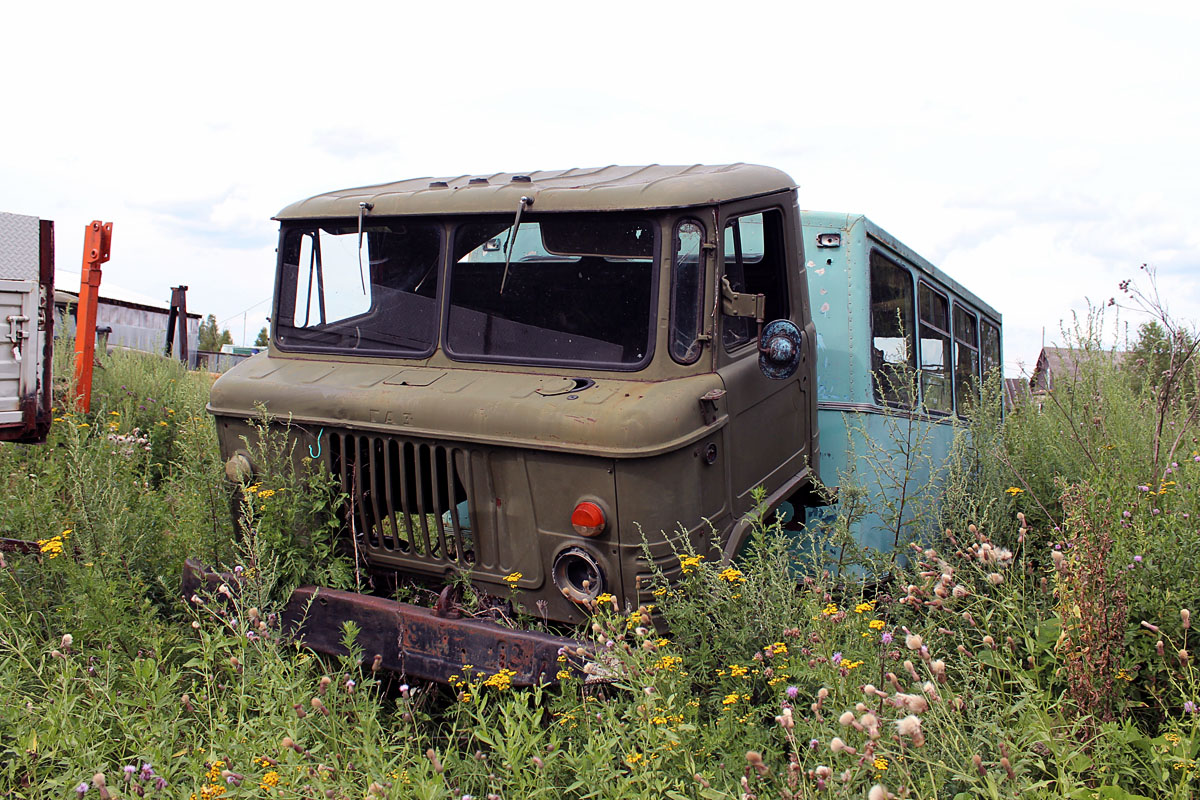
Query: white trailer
[{"x": 26, "y": 326}]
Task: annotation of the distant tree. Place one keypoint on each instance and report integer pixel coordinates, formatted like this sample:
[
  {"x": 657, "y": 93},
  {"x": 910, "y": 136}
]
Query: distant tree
[
  {"x": 264, "y": 338},
  {"x": 210, "y": 339},
  {"x": 1158, "y": 357}
]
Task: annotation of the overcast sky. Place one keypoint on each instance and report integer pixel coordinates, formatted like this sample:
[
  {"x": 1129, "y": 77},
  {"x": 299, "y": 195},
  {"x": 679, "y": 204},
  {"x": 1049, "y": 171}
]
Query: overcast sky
[{"x": 1038, "y": 153}]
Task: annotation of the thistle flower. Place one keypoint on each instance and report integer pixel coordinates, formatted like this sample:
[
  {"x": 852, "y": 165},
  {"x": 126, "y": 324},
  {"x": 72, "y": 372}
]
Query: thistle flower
[
  {"x": 846, "y": 718},
  {"x": 792, "y": 692},
  {"x": 913, "y": 642},
  {"x": 838, "y": 746},
  {"x": 878, "y": 792},
  {"x": 1186, "y": 616}
]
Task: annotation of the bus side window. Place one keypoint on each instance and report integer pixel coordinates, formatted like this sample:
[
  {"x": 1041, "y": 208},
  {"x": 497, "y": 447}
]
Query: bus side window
[
  {"x": 892, "y": 351},
  {"x": 935, "y": 351},
  {"x": 966, "y": 359},
  {"x": 991, "y": 348}
]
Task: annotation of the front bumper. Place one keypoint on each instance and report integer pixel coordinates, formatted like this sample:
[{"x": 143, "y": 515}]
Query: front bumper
[{"x": 417, "y": 642}]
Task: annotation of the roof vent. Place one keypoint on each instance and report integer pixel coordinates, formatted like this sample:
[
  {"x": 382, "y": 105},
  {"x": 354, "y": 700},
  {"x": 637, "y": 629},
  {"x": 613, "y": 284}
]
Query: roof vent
[
  {"x": 477, "y": 182},
  {"x": 438, "y": 185},
  {"x": 522, "y": 179}
]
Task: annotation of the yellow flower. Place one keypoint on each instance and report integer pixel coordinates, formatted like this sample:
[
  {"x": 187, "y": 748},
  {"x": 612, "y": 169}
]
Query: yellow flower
[
  {"x": 265, "y": 493},
  {"x": 730, "y": 699},
  {"x": 562, "y": 674},
  {"x": 732, "y": 575},
  {"x": 668, "y": 663},
  {"x": 512, "y": 578},
  {"x": 1173, "y": 738},
  {"x": 688, "y": 563},
  {"x": 851, "y": 664},
  {"x": 1013, "y": 491},
  {"x": 880, "y": 763},
  {"x": 501, "y": 680},
  {"x": 660, "y": 591},
  {"x": 605, "y": 598},
  {"x": 1124, "y": 675},
  {"x": 115, "y": 413},
  {"x": 875, "y": 624},
  {"x": 633, "y": 757},
  {"x": 662, "y": 643},
  {"x": 737, "y": 670},
  {"x": 862, "y": 608},
  {"x": 830, "y": 610},
  {"x": 269, "y": 781},
  {"x": 776, "y": 649}
]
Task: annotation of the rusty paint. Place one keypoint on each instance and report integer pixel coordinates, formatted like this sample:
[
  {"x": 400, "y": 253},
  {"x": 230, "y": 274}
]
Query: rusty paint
[{"x": 409, "y": 639}]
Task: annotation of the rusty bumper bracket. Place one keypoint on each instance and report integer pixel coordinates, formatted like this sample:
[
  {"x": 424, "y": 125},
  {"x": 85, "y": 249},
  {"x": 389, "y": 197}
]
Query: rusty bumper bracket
[{"x": 410, "y": 639}]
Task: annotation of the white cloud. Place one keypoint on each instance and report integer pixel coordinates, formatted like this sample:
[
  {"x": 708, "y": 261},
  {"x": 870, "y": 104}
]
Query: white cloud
[{"x": 1038, "y": 152}]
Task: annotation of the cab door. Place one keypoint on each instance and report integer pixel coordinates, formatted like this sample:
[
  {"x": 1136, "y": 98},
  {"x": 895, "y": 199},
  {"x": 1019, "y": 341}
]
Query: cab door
[
  {"x": 26, "y": 295},
  {"x": 771, "y": 419}
]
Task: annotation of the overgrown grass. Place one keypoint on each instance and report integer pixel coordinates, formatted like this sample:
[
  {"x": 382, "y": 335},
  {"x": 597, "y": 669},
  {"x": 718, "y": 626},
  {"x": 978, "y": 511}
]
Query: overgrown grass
[{"x": 1037, "y": 644}]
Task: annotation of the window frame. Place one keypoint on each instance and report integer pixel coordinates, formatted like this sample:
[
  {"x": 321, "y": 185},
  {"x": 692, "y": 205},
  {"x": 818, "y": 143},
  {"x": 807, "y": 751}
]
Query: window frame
[
  {"x": 775, "y": 238},
  {"x": 673, "y": 317},
  {"x": 960, "y": 307},
  {"x": 304, "y": 227},
  {"x": 947, "y": 352},
  {"x": 876, "y": 256}
]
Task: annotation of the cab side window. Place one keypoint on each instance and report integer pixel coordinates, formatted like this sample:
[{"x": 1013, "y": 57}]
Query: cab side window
[
  {"x": 755, "y": 263},
  {"x": 687, "y": 291},
  {"x": 893, "y": 357}
]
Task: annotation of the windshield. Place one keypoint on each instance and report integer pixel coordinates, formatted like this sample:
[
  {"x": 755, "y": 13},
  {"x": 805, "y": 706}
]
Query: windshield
[
  {"x": 380, "y": 299},
  {"x": 566, "y": 289},
  {"x": 578, "y": 290}
]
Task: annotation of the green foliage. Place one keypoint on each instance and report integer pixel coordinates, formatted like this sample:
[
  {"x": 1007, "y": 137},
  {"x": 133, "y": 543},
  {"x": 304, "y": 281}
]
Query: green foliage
[
  {"x": 263, "y": 339},
  {"x": 211, "y": 337},
  {"x": 1036, "y": 644}
]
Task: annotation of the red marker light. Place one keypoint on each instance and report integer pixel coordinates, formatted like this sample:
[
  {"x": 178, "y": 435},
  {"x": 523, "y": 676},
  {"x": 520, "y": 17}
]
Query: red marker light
[{"x": 588, "y": 519}]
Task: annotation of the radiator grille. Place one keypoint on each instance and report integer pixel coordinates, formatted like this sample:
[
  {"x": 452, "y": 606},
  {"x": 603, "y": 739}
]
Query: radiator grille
[{"x": 406, "y": 498}]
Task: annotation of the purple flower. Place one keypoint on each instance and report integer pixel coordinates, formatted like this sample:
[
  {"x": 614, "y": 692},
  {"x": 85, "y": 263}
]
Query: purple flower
[
  {"x": 1137, "y": 558},
  {"x": 1143, "y": 488},
  {"x": 160, "y": 782},
  {"x": 886, "y": 638},
  {"x": 404, "y": 690},
  {"x": 1154, "y": 511},
  {"x": 1058, "y": 546},
  {"x": 812, "y": 744},
  {"x": 1126, "y": 514},
  {"x": 350, "y": 684},
  {"x": 129, "y": 770},
  {"x": 837, "y": 658},
  {"x": 792, "y": 692},
  {"x": 82, "y": 788},
  {"x": 147, "y": 771},
  {"x": 1189, "y": 707}
]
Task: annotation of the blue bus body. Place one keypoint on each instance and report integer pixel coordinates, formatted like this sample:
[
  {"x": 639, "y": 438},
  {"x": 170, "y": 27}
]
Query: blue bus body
[{"x": 880, "y": 308}]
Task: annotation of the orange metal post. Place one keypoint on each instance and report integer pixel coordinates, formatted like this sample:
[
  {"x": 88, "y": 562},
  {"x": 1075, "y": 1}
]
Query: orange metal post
[{"x": 96, "y": 243}]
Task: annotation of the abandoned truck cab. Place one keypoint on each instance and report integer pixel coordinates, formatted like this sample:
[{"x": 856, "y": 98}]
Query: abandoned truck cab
[{"x": 537, "y": 373}]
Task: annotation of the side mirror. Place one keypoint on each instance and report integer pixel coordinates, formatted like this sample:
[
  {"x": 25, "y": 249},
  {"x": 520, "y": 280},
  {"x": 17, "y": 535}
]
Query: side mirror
[{"x": 779, "y": 349}]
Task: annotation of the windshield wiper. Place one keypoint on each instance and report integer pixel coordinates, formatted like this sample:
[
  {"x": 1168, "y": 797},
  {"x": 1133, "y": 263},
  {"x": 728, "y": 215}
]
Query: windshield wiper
[{"x": 508, "y": 244}]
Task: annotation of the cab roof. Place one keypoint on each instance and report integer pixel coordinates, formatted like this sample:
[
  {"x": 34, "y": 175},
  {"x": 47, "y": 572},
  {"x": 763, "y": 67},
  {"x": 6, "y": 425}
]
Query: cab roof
[{"x": 595, "y": 189}]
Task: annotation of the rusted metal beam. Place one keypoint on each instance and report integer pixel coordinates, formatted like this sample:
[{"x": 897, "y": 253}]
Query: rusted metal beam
[{"x": 409, "y": 639}]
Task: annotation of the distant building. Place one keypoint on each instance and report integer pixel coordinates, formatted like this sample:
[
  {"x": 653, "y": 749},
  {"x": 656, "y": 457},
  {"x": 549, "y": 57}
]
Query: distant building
[
  {"x": 1061, "y": 365},
  {"x": 1016, "y": 392},
  {"x": 134, "y": 321}
]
